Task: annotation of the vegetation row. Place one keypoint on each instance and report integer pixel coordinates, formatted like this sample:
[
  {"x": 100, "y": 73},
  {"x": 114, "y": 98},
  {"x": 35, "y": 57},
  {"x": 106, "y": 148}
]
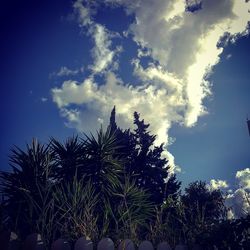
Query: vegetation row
[{"x": 116, "y": 184}]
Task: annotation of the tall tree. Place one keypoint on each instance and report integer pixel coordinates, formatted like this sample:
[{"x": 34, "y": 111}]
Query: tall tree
[
  {"x": 202, "y": 208},
  {"x": 144, "y": 162},
  {"x": 112, "y": 122}
]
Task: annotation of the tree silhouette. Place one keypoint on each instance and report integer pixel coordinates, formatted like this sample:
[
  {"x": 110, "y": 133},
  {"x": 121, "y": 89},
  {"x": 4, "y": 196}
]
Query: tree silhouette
[
  {"x": 143, "y": 160},
  {"x": 102, "y": 165},
  {"x": 69, "y": 158},
  {"x": 31, "y": 171},
  {"x": 201, "y": 208},
  {"x": 114, "y": 184}
]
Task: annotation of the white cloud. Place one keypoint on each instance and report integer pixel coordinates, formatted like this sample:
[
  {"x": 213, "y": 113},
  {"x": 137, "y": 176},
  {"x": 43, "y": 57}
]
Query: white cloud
[
  {"x": 186, "y": 43},
  {"x": 228, "y": 56},
  {"x": 102, "y": 53},
  {"x": 243, "y": 177},
  {"x": 72, "y": 116},
  {"x": 127, "y": 99},
  {"x": 218, "y": 184},
  {"x": 239, "y": 203},
  {"x": 183, "y": 50},
  {"x": 83, "y": 13},
  {"x": 239, "y": 200},
  {"x": 144, "y": 99},
  {"x": 64, "y": 71}
]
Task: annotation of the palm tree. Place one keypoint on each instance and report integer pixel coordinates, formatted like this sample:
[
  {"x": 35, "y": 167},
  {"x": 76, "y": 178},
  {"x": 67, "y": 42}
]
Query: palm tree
[
  {"x": 103, "y": 165},
  {"x": 31, "y": 169},
  {"x": 69, "y": 158}
]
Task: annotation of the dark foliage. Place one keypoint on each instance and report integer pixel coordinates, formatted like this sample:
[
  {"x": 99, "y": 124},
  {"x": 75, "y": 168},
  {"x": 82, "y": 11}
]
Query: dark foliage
[
  {"x": 102, "y": 165},
  {"x": 69, "y": 158},
  {"x": 143, "y": 160},
  {"x": 115, "y": 184},
  {"x": 233, "y": 233},
  {"x": 31, "y": 169},
  {"x": 198, "y": 198},
  {"x": 202, "y": 208}
]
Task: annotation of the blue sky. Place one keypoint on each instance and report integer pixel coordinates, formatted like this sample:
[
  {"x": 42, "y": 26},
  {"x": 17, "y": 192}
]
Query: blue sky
[{"x": 66, "y": 63}]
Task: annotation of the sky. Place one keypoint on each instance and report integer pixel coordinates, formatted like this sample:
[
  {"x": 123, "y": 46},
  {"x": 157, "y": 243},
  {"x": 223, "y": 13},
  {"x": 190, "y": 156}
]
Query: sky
[{"x": 183, "y": 65}]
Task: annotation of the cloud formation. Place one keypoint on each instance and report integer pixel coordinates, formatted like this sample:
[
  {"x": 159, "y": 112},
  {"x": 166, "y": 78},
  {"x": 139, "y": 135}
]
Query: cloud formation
[
  {"x": 237, "y": 201},
  {"x": 181, "y": 43},
  {"x": 243, "y": 178},
  {"x": 66, "y": 72},
  {"x": 102, "y": 54},
  {"x": 185, "y": 43},
  {"x": 218, "y": 184}
]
